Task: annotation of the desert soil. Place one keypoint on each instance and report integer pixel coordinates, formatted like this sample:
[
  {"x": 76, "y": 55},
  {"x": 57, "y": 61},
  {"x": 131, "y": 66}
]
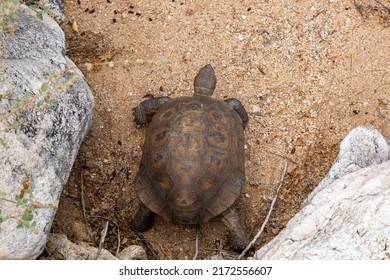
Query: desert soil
[{"x": 307, "y": 72}]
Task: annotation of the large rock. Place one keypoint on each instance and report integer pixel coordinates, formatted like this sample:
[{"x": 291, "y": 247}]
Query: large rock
[
  {"x": 46, "y": 109},
  {"x": 362, "y": 147},
  {"x": 348, "y": 218},
  {"x": 56, "y": 7}
]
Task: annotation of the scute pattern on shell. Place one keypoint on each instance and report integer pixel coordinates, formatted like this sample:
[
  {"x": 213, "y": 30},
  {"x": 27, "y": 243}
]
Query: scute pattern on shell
[{"x": 192, "y": 168}]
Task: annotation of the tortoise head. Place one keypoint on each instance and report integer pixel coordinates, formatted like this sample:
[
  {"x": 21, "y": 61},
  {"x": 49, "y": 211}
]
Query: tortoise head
[{"x": 205, "y": 81}]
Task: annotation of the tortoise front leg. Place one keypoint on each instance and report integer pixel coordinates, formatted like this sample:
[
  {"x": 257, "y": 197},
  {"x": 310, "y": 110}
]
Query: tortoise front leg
[
  {"x": 237, "y": 235},
  {"x": 239, "y": 108},
  {"x": 145, "y": 111},
  {"x": 143, "y": 219}
]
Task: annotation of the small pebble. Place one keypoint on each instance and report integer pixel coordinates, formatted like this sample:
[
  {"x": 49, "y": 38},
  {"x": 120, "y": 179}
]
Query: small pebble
[
  {"x": 217, "y": 257},
  {"x": 240, "y": 37},
  {"x": 254, "y": 183},
  {"x": 106, "y": 205},
  {"x": 75, "y": 27},
  {"x": 256, "y": 109},
  {"x": 313, "y": 113}
]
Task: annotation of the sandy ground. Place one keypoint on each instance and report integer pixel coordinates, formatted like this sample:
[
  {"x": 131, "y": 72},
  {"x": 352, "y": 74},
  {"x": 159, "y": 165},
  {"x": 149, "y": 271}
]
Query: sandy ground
[{"x": 306, "y": 71}]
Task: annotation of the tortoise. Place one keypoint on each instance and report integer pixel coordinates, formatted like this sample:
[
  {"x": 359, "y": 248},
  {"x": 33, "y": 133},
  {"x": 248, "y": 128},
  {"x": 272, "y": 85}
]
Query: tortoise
[{"x": 192, "y": 168}]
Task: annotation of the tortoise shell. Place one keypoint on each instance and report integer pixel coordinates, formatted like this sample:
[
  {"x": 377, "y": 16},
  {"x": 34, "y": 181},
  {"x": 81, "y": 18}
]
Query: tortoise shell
[{"x": 192, "y": 167}]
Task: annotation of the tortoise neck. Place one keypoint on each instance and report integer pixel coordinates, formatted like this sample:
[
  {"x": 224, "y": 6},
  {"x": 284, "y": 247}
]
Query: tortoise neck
[{"x": 203, "y": 91}]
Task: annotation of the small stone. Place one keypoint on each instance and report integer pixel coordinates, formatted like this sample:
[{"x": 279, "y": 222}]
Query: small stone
[
  {"x": 133, "y": 252},
  {"x": 106, "y": 205},
  {"x": 313, "y": 113},
  {"x": 254, "y": 183},
  {"x": 217, "y": 257},
  {"x": 256, "y": 109},
  {"x": 63, "y": 248},
  {"x": 240, "y": 37},
  {"x": 75, "y": 27}
]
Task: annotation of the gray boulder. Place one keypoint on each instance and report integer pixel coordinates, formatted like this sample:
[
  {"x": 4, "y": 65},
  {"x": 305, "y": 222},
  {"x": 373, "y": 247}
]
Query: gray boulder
[
  {"x": 46, "y": 109},
  {"x": 56, "y": 7},
  {"x": 362, "y": 147},
  {"x": 349, "y": 216}
]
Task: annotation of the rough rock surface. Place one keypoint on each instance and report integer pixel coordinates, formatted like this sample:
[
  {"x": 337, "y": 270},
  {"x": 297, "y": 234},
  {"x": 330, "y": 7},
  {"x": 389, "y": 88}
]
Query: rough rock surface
[
  {"x": 46, "y": 109},
  {"x": 56, "y": 7},
  {"x": 362, "y": 147},
  {"x": 60, "y": 247},
  {"x": 348, "y": 216}
]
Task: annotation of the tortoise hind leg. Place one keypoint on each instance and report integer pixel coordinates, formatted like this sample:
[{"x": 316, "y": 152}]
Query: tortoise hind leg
[
  {"x": 239, "y": 108},
  {"x": 143, "y": 219},
  {"x": 237, "y": 235}
]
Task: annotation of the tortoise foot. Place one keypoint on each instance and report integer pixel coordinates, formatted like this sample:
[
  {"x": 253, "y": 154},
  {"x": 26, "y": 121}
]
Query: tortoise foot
[
  {"x": 237, "y": 235},
  {"x": 143, "y": 219},
  {"x": 240, "y": 109},
  {"x": 238, "y": 242},
  {"x": 145, "y": 111}
]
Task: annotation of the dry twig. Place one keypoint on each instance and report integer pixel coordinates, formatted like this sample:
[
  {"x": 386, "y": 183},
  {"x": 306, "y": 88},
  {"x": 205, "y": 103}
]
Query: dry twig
[
  {"x": 102, "y": 238},
  {"x": 268, "y": 215},
  {"x": 196, "y": 244},
  {"x": 83, "y": 207},
  {"x": 146, "y": 242},
  {"x": 163, "y": 251},
  {"x": 316, "y": 15},
  {"x": 383, "y": 6},
  {"x": 118, "y": 233},
  {"x": 330, "y": 84}
]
